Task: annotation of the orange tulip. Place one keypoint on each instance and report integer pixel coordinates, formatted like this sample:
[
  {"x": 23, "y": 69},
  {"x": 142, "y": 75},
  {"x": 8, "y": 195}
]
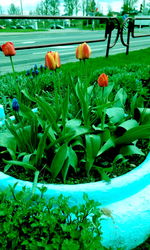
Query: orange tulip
[
  {"x": 52, "y": 60},
  {"x": 83, "y": 51},
  {"x": 8, "y": 49},
  {"x": 103, "y": 80}
]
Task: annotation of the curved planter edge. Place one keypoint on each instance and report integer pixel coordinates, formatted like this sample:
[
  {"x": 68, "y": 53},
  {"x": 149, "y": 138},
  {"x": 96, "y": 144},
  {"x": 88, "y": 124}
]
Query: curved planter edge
[{"x": 126, "y": 196}]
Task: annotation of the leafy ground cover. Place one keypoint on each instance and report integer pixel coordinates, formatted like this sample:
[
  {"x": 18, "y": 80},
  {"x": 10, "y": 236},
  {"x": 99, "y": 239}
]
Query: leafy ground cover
[
  {"x": 28, "y": 221},
  {"x": 82, "y": 130}
]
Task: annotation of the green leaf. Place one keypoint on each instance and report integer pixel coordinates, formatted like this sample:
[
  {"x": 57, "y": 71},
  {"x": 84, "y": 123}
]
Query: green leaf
[
  {"x": 133, "y": 103},
  {"x": 21, "y": 164},
  {"x": 36, "y": 175},
  {"x": 41, "y": 147},
  {"x": 81, "y": 92},
  {"x": 89, "y": 90},
  {"x": 48, "y": 111},
  {"x": 28, "y": 96},
  {"x": 65, "y": 169},
  {"x": 73, "y": 123},
  {"x": 120, "y": 98},
  {"x": 65, "y": 107},
  {"x": 103, "y": 173},
  {"x": 8, "y": 141},
  {"x": 28, "y": 157},
  {"x": 108, "y": 90},
  {"x": 93, "y": 143},
  {"x": 140, "y": 132},
  {"x": 115, "y": 114},
  {"x": 58, "y": 160},
  {"x": 143, "y": 115},
  {"x": 129, "y": 124},
  {"x": 130, "y": 150},
  {"x": 109, "y": 144},
  {"x": 80, "y": 131},
  {"x": 27, "y": 112},
  {"x": 7, "y": 167},
  {"x": 73, "y": 159},
  {"x": 119, "y": 157},
  {"x": 126, "y": 126},
  {"x": 51, "y": 134}
]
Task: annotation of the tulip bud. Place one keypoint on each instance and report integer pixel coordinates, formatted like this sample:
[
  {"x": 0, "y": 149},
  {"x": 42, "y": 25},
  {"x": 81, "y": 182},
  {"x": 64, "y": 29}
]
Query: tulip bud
[
  {"x": 8, "y": 49},
  {"x": 83, "y": 51},
  {"x": 15, "y": 104},
  {"x": 103, "y": 80},
  {"x": 52, "y": 60}
]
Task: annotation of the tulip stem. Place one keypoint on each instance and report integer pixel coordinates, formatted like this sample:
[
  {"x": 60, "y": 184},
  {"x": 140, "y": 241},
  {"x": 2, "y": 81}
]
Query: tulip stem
[
  {"x": 12, "y": 65},
  {"x": 104, "y": 111},
  {"x": 17, "y": 86}
]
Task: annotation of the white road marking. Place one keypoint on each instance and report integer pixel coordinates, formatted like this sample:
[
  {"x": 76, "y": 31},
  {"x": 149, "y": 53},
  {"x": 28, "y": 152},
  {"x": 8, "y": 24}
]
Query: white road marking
[
  {"x": 65, "y": 46},
  {"x": 28, "y": 42},
  {"x": 39, "y": 53}
]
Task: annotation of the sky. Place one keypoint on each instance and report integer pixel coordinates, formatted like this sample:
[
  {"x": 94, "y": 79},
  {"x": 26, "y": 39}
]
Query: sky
[{"x": 31, "y": 5}]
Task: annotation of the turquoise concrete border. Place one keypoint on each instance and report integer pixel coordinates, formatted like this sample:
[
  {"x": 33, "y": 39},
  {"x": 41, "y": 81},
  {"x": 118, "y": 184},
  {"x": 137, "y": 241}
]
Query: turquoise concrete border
[
  {"x": 2, "y": 114},
  {"x": 127, "y": 197}
]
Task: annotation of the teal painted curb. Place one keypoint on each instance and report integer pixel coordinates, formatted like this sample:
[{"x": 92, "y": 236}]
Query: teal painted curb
[
  {"x": 2, "y": 113},
  {"x": 127, "y": 197}
]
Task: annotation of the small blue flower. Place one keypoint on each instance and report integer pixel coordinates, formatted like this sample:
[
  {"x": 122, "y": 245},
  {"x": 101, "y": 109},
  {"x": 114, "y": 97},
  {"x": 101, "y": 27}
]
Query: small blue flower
[
  {"x": 15, "y": 104},
  {"x": 36, "y": 72},
  {"x": 45, "y": 67}
]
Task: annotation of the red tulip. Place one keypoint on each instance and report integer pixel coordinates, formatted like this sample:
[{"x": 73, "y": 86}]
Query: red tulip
[
  {"x": 8, "y": 49},
  {"x": 103, "y": 80},
  {"x": 83, "y": 51},
  {"x": 52, "y": 60}
]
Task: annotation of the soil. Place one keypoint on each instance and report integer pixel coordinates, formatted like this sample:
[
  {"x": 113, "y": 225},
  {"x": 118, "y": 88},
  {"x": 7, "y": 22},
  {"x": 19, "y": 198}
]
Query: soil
[{"x": 80, "y": 177}]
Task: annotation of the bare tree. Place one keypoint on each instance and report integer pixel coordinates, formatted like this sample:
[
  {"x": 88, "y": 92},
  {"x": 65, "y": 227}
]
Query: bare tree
[
  {"x": 48, "y": 7},
  {"x": 13, "y": 10},
  {"x": 54, "y": 7},
  {"x": 77, "y": 6},
  {"x": 90, "y": 7},
  {"x": 43, "y": 8},
  {"x": 83, "y": 7},
  {"x": 110, "y": 12},
  {"x": 69, "y": 7},
  {"x": 128, "y": 5}
]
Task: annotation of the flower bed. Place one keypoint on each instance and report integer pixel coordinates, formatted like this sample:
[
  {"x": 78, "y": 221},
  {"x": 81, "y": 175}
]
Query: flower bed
[{"x": 87, "y": 127}]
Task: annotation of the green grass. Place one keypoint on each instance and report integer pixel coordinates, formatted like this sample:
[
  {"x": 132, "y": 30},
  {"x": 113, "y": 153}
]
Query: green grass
[
  {"x": 119, "y": 60},
  {"x": 21, "y": 30}
]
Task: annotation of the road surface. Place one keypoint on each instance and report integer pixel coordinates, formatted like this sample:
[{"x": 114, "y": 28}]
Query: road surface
[{"x": 25, "y": 59}]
